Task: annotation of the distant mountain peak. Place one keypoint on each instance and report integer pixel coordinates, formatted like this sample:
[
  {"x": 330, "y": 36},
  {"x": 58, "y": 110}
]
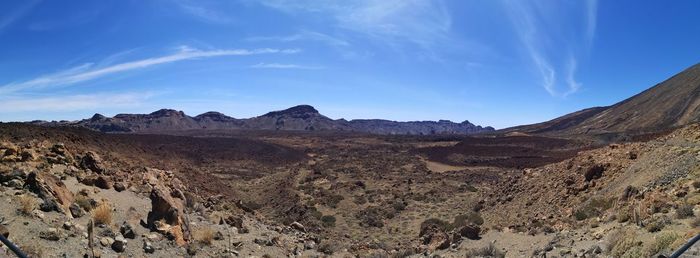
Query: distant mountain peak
[
  {"x": 97, "y": 117},
  {"x": 214, "y": 116},
  {"x": 295, "y": 111},
  {"x": 167, "y": 113}
]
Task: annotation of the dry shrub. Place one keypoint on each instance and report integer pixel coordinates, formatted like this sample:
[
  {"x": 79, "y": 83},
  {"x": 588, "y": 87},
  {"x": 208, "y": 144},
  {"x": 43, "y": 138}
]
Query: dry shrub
[
  {"x": 204, "y": 235},
  {"x": 27, "y": 204},
  {"x": 83, "y": 202},
  {"x": 661, "y": 242},
  {"x": 468, "y": 218},
  {"x": 102, "y": 214},
  {"x": 487, "y": 251},
  {"x": 684, "y": 211},
  {"x": 695, "y": 223},
  {"x": 623, "y": 243}
]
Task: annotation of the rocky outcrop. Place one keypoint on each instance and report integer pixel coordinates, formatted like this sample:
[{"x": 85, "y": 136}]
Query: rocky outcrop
[
  {"x": 91, "y": 161},
  {"x": 167, "y": 215},
  {"x": 52, "y": 191}
]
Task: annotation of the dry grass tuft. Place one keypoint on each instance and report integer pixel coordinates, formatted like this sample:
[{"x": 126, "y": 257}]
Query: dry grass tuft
[
  {"x": 204, "y": 235},
  {"x": 487, "y": 251},
  {"x": 27, "y": 204},
  {"x": 102, "y": 214}
]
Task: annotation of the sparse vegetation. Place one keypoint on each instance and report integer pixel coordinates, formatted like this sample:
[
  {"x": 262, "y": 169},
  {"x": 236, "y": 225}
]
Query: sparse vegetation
[
  {"x": 327, "y": 247},
  {"x": 27, "y": 204},
  {"x": 84, "y": 202},
  {"x": 328, "y": 221},
  {"x": 487, "y": 251},
  {"x": 684, "y": 211},
  {"x": 695, "y": 223},
  {"x": 437, "y": 223},
  {"x": 465, "y": 219},
  {"x": 102, "y": 214},
  {"x": 593, "y": 208},
  {"x": 624, "y": 243},
  {"x": 661, "y": 242},
  {"x": 204, "y": 235}
]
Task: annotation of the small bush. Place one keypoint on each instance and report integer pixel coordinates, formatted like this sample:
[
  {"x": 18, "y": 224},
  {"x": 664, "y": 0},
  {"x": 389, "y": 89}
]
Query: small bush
[
  {"x": 204, "y": 235},
  {"x": 327, "y": 247},
  {"x": 27, "y": 204},
  {"x": 657, "y": 224},
  {"x": 102, "y": 215},
  {"x": 433, "y": 222},
  {"x": 695, "y": 223},
  {"x": 624, "y": 244},
  {"x": 580, "y": 215},
  {"x": 684, "y": 211},
  {"x": 360, "y": 199},
  {"x": 465, "y": 219},
  {"x": 371, "y": 217},
  {"x": 487, "y": 251},
  {"x": 623, "y": 215},
  {"x": 661, "y": 242},
  {"x": 328, "y": 221},
  {"x": 696, "y": 184},
  {"x": 403, "y": 253},
  {"x": 83, "y": 202}
]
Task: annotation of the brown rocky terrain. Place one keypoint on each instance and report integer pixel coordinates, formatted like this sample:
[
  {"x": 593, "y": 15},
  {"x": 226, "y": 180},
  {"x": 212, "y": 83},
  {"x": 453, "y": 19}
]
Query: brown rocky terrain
[
  {"x": 602, "y": 182},
  {"x": 342, "y": 195}
]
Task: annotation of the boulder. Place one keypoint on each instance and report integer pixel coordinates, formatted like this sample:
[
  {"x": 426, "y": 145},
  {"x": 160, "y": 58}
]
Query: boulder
[
  {"x": 75, "y": 210},
  {"x": 127, "y": 230},
  {"x": 119, "y": 244},
  {"x": 51, "y": 234},
  {"x": 52, "y": 191},
  {"x": 298, "y": 226},
  {"x": 470, "y": 231},
  {"x": 166, "y": 215},
  {"x": 91, "y": 161},
  {"x": 27, "y": 155},
  {"x": 119, "y": 186},
  {"x": 148, "y": 247},
  {"x": 594, "y": 172}
]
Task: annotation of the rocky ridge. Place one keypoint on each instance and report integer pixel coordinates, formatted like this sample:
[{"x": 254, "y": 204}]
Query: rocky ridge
[{"x": 297, "y": 118}]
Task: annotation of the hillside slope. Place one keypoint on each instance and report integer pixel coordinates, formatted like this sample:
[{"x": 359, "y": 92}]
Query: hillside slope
[{"x": 670, "y": 104}]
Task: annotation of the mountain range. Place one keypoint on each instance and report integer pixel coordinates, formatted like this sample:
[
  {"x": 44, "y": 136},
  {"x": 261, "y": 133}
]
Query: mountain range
[{"x": 297, "y": 118}]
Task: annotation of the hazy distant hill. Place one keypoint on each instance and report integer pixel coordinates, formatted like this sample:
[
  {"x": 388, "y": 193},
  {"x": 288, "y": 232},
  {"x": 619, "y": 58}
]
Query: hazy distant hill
[{"x": 298, "y": 118}]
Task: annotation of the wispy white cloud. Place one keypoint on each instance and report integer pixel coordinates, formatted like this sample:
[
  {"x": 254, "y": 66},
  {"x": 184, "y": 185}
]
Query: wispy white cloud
[
  {"x": 394, "y": 22},
  {"x": 305, "y": 35},
  {"x": 75, "y": 102},
  {"x": 6, "y": 19},
  {"x": 205, "y": 10},
  {"x": 285, "y": 66},
  {"x": 555, "y": 43},
  {"x": 87, "y": 72}
]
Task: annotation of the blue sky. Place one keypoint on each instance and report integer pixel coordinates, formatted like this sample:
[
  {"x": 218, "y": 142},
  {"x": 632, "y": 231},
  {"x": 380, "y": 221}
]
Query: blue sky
[{"x": 498, "y": 63}]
